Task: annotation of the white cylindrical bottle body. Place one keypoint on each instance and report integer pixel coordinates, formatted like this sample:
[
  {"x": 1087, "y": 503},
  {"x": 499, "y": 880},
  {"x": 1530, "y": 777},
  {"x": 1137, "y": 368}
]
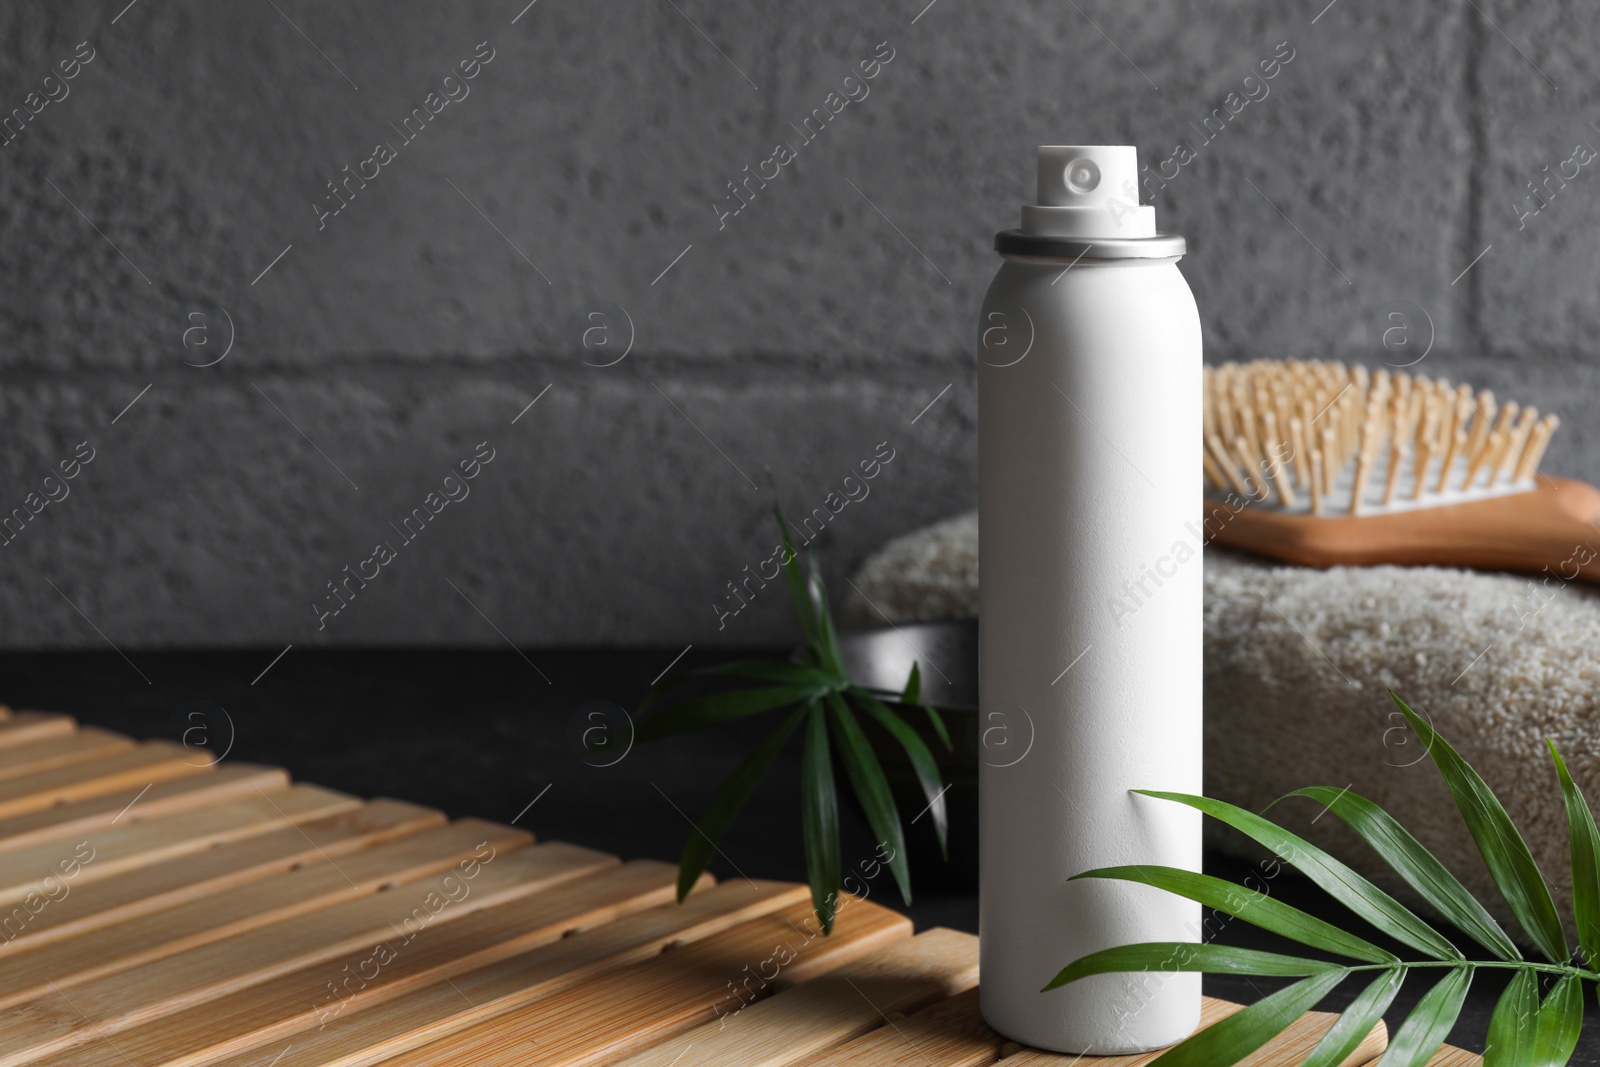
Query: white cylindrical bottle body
[{"x": 1090, "y": 573}]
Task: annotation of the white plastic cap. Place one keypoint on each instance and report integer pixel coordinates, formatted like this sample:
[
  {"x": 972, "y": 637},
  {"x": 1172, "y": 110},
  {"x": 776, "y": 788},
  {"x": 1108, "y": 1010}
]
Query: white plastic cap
[{"x": 1089, "y": 191}]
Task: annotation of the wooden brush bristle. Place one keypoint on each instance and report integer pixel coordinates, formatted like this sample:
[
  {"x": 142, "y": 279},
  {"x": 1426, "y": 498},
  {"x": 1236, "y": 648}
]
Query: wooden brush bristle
[{"x": 1329, "y": 438}]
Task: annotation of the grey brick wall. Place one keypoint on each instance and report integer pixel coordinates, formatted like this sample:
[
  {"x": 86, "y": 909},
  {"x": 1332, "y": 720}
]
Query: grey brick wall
[{"x": 581, "y": 170}]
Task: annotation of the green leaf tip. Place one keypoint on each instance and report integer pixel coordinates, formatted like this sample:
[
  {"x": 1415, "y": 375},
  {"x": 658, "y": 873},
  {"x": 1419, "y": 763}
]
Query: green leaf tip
[
  {"x": 1499, "y": 842},
  {"x": 1583, "y": 841}
]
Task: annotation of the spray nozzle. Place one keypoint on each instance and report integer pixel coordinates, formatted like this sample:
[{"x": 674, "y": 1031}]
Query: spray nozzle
[{"x": 1089, "y": 191}]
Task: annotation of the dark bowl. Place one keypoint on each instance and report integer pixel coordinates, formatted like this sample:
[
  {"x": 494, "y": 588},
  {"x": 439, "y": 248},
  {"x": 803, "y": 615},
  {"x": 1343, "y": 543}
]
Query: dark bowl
[{"x": 946, "y": 651}]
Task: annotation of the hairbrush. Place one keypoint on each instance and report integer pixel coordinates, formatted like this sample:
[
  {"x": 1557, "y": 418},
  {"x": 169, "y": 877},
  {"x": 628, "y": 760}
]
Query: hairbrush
[{"x": 1324, "y": 464}]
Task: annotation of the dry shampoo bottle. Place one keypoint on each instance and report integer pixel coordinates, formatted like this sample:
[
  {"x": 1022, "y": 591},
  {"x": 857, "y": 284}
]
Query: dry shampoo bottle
[{"x": 1089, "y": 386}]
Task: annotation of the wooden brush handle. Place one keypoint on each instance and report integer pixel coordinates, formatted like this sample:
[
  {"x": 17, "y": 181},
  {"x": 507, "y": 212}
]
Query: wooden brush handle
[{"x": 1551, "y": 527}]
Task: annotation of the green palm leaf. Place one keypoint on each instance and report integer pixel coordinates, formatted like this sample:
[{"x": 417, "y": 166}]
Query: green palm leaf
[
  {"x": 1560, "y": 1020},
  {"x": 816, "y": 684},
  {"x": 1339, "y": 881},
  {"x": 819, "y": 818},
  {"x": 717, "y": 708},
  {"x": 657, "y": 691},
  {"x": 913, "y": 690},
  {"x": 797, "y": 584},
  {"x": 871, "y": 789},
  {"x": 726, "y": 805},
  {"x": 778, "y": 673},
  {"x": 1425, "y": 1029},
  {"x": 927, "y": 771},
  {"x": 1231, "y": 1040},
  {"x": 1177, "y": 956},
  {"x": 1585, "y": 844},
  {"x": 1414, "y": 864},
  {"x": 1523, "y": 1031},
  {"x": 1514, "y": 1023},
  {"x": 1258, "y": 909},
  {"x": 828, "y": 643},
  {"x": 1502, "y": 847},
  {"x": 912, "y": 697},
  {"x": 1357, "y": 1021}
]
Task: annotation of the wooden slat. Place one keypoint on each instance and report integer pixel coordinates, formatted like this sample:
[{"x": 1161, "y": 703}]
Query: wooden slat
[
  {"x": 1288, "y": 1048},
  {"x": 362, "y": 1037},
  {"x": 1212, "y": 1011},
  {"x": 51, "y": 752},
  {"x": 139, "y": 803},
  {"x": 52, "y": 1023},
  {"x": 227, "y": 868},
  {"x": 141, "y": 844},
  {"x": 799, "y": 1023},
  {"x": 311, "y": 999},
  {"x": 152, "y": 761},
  {"x": 656, "y": 999},
  {"x": 27, "y": 726},
  {"x": 38, "y": 965},
  {"x": 949, "y": 1034},
  {"x": 1295, "y": 1044},
  {"x": 953, "y": 1034},
  {"x": 1449, "y": 1056}
]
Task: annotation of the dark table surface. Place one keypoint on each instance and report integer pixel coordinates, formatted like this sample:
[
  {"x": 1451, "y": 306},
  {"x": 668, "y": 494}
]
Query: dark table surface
[{"x": 497, "y": 735}]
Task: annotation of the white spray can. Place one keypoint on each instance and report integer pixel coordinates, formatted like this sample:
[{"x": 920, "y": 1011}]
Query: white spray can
[{"x": 1090, "y": 411}]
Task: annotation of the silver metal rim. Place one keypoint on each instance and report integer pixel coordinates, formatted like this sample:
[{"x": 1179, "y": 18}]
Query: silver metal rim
[{"x": 1018, "y": 243}]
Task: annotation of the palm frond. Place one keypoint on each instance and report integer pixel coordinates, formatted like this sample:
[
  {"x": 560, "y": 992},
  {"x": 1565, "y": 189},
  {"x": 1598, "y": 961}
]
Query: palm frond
[
  {"x": 816, "y": 692},
  {"x": 1523, "y": 1032}
]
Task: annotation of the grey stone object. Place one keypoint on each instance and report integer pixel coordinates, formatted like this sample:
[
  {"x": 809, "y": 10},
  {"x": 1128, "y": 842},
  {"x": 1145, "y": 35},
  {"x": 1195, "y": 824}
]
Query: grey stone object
[{"x": 554, "y": 162}]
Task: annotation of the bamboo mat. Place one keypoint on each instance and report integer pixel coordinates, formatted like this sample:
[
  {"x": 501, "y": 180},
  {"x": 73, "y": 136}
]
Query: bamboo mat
[{"x": 157, "y": 909}]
